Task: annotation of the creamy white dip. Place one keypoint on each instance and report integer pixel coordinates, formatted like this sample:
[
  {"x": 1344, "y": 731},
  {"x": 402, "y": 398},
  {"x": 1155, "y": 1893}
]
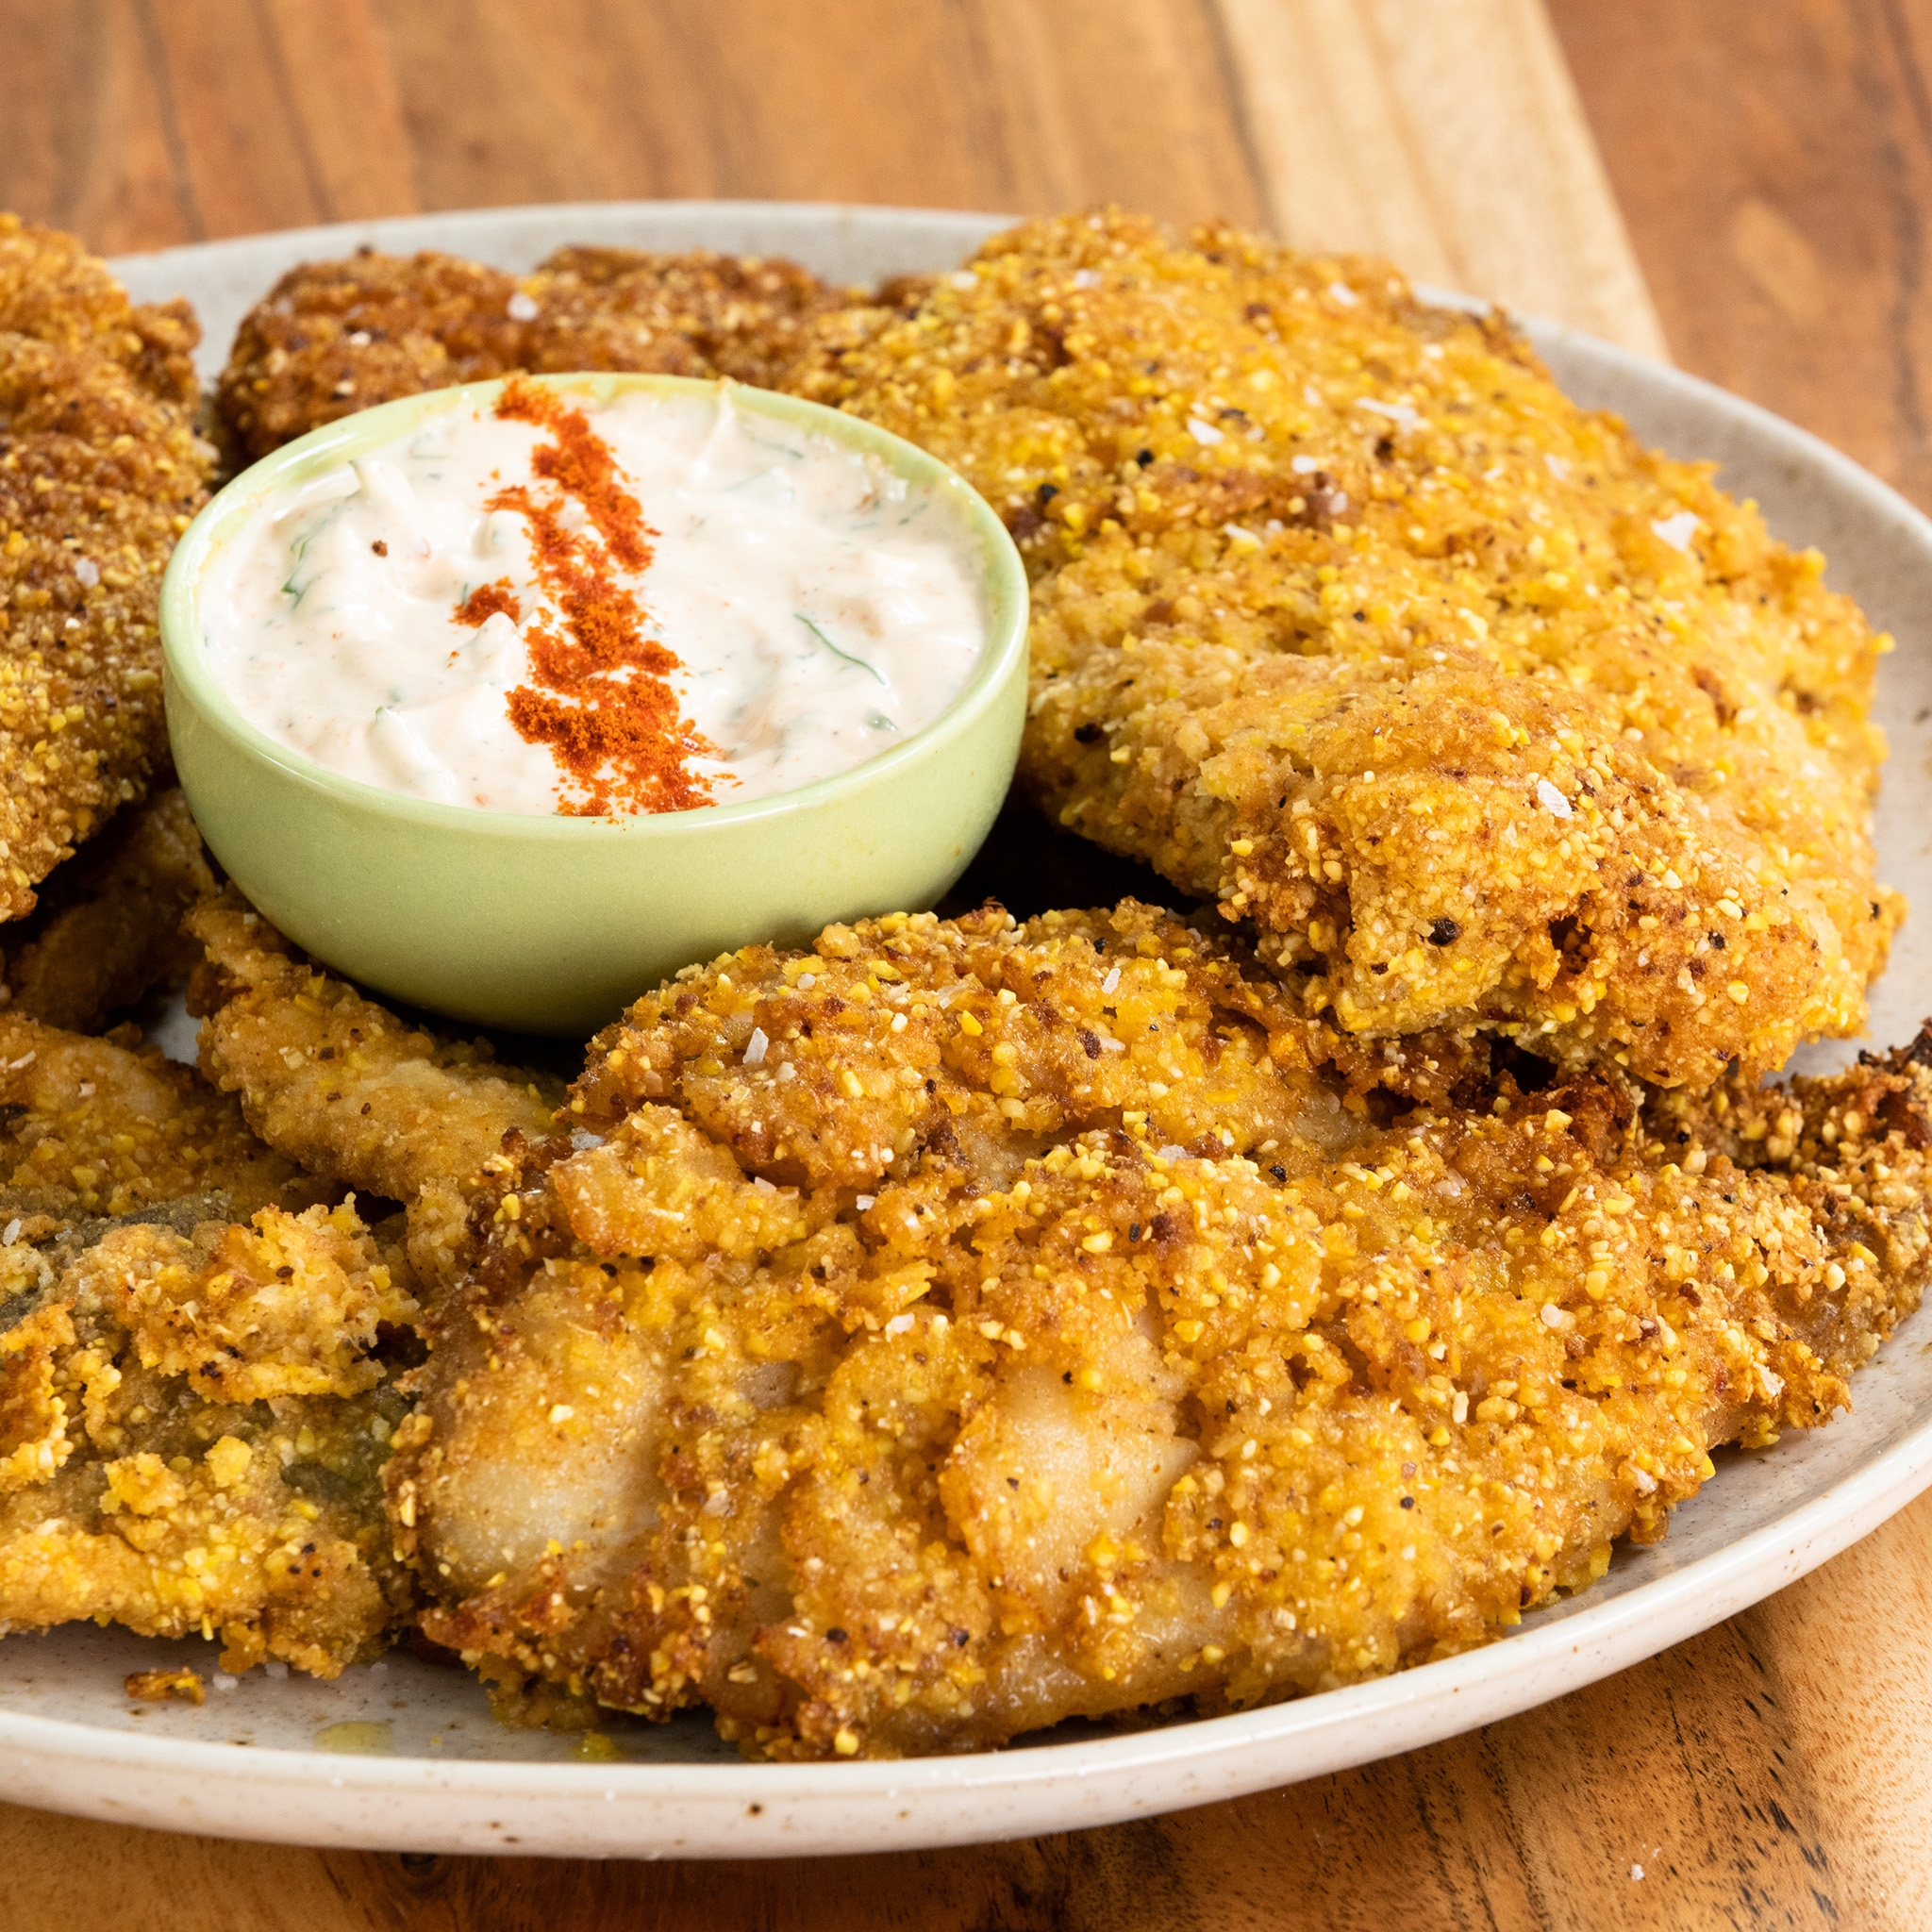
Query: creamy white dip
[{"x": 820, "y": 607}]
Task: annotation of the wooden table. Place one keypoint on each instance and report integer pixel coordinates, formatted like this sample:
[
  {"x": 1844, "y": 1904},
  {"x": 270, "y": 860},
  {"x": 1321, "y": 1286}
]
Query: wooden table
[{"x": 1772, "y": 163}]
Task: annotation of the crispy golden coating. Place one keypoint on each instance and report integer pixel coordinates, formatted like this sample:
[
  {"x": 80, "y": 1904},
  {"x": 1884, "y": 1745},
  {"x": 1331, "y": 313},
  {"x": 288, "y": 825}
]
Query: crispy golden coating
[
  {"x": 191, "y": 1433},
  {"x": 334, "y": 337},
  {"x": 1345, "y": 616},
  {"x": 100, "y": 470},
  {"x": 964, "y": 1327},
  {"x": 892, "y": 1042},
  {"x": 338, "y": 1084},
  {"x": 53, "y": 290},
  {"x": 695, "y": 313},
  {"x": 92, "y": 1130},
  {"x": 109, "y": 928}
]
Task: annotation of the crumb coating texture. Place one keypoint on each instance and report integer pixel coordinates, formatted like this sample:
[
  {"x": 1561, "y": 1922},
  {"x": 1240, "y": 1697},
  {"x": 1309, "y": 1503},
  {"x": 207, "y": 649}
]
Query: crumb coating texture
[
  {"x": 331, "y": 338},
  {"x": 962, "y": 1326},
  {"x": 1346, "y": 617},
  {"x": 341, "y": 1086},
  {"x": 191, "y": 1436},
  {"x": 108, "y": 926},
  {"x": 52, "y": 290},
  {"x": 94, "y": 1130},
  {"x": 100, "y": 471}
]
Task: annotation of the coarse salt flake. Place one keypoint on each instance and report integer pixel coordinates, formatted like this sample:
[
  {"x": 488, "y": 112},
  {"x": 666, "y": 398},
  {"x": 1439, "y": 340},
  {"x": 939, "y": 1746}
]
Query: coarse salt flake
[
  {"x": 1205, "y": 433},
  {"x": 1341, "y": 292},
  {"x": 1551, "y": 799},
  {"x": 963, "y": 278},
  {"x": 899, "y": 1324},
  {"x": 1171, "y": 1152},
  {"x": 864, "y": 1201},
  {"x": 1558, "y": 466},
  {"x": 1553, "y": 1315},
  {"x": 223, "y": 1681},
  {"x": 1678, "y": 531},
  {"x": 1396, "y": 412},
  {"x": 520, "y": 308},
  {"x": 1112, "y": 979},
  {"x": 755, "y": 1047},
  {"x": 10, "y": 1233},
  {"x": 1086, "y": 279},
  {"x": 88, "y": 571},
  {"x": 1304, "y": 466}
]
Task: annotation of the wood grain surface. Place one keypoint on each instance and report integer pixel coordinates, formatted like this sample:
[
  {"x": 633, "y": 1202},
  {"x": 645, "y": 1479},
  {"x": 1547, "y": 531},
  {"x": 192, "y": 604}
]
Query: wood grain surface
[{"x": 1772, "y": 160}]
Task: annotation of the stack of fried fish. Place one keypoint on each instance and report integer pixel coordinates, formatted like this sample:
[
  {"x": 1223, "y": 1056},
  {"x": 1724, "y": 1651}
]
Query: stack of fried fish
[{"x": 967, "y": 1323}]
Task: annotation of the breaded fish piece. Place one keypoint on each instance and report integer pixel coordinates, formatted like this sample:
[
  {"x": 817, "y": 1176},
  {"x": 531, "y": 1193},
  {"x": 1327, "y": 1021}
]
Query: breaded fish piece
[
  {"x": 100, "y": 471},
  {"x": 93, "y": 1131},
  {"x": 693, "y": 313},
  {"x": 53, "y": 290},
  {"x": 331, "y": 338},
  {"x": 109, "y": 928},
  {"x": 962, "y": 1326},
  {"x": 338, "y": 1084},
  {"x": 192, "y": 1434},
  {"x": 1345, "y": 616}
]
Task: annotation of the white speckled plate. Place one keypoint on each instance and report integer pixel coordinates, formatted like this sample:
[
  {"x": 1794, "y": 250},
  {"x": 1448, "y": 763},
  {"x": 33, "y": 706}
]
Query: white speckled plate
[{"x": 405, "y": 1755}]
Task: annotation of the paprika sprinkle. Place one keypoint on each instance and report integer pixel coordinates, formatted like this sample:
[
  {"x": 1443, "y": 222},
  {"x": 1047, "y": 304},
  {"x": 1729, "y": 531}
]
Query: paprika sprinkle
[{"x": 599, "y": 696}]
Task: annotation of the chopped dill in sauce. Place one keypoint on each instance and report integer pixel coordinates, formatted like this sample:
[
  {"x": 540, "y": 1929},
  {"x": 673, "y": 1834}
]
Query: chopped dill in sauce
[{"x": 563, "y": 604}]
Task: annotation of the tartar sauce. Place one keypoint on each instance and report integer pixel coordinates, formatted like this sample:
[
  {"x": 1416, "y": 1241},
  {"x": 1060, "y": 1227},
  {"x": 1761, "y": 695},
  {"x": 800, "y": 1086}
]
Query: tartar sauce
[{"x": 562, "y": 604}]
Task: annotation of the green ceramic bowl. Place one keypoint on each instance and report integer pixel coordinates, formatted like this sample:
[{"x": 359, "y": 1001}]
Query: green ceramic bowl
[{"x": 551, "y": 924}]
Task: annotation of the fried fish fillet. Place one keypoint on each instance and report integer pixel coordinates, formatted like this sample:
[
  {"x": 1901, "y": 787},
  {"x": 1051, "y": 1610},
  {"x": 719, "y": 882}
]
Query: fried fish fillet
[
  {"x": 53, "y": 290},
  {"x": 962, "y": 1326},
  {"x": 109, "y": 928},
  {"x": 334, "y": 337},
  {"x": 338, "y": 1084},
  {"x": 191, "y": 1432},
  {"x": 693, "y": 313},
  {"x": 1345, "y": 616},
  {"x": 100, "y": 470},
  {"x": 94, "y": 1131}
]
